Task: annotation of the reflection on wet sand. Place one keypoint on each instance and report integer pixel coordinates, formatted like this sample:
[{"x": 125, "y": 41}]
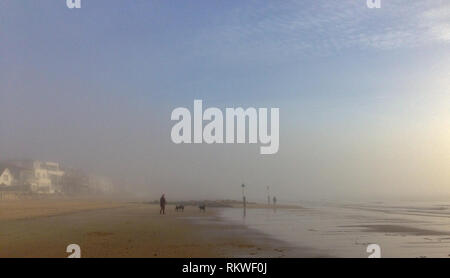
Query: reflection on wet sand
[{"x": 402, "y": 229}]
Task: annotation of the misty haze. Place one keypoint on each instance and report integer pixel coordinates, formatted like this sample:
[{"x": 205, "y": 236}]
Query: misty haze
[{"x": 363, "y": 148}]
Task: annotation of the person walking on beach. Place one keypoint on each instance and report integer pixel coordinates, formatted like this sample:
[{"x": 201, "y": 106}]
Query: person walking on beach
[{"x": 162, "y": 204}]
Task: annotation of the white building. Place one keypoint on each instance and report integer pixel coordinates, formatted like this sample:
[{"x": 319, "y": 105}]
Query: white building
[
  {"x": 42, "y": 177},
  {"x": 50, "y": 174},
  {"x": 6, "y": 177}
]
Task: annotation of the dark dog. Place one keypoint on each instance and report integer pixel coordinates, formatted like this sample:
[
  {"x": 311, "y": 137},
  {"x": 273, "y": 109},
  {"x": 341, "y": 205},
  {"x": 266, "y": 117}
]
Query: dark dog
[
  {"x": 202, "y": 207},
  {"x": 179, "y": 207}
]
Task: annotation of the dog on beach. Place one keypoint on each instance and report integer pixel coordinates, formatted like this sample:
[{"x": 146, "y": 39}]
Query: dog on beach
[
  {"x": 179, "y": 207},
  {"x": 202, "y": 207}
]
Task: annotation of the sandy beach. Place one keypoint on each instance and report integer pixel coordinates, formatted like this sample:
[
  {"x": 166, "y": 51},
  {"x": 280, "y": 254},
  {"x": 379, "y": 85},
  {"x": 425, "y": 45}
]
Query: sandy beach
[
  {"x": 128, "y": 229},
  {"x": 103, "y": 228}
]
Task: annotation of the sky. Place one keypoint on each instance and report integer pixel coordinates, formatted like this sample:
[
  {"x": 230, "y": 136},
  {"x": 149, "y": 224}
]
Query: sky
[{"x": 363, "y": 93}]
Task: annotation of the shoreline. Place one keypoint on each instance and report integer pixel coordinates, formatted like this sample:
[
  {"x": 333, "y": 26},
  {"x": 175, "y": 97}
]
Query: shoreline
[{"x": 247, "y": 242}]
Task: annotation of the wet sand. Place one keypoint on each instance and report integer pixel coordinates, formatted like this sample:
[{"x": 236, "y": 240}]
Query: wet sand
[
  {"x": 402, "y": 229},
  {"x": 44, "y": 228},
  {"x": 398, "y": 229}
]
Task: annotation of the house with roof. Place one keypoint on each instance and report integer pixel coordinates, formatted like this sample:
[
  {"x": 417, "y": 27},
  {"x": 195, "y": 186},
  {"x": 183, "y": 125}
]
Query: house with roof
[
  {"x": 6, "y": 176},
  {"x": 13, "y": 176},
  {"x": 38, "y": 176}
]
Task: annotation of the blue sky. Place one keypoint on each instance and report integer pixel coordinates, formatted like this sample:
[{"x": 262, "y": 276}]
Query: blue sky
[{"x": 94, "y": 87}]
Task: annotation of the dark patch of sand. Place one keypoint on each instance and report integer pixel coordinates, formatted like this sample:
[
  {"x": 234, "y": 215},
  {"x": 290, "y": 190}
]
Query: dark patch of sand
[{"x": 398, "y": 229}]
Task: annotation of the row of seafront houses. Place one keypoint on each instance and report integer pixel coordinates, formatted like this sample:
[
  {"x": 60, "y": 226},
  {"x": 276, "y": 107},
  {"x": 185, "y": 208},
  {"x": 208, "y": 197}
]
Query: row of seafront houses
[{"x": 29, "y": 177}]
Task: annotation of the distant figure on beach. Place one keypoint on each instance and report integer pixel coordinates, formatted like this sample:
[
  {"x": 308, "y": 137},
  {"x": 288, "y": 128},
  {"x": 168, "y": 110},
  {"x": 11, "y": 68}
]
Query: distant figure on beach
[
  {"x": 202, "y": 207},
  {"x": 274, "y": 201},
  {"x": 162, "y": 204},
  {"x": 179, "y": 207}
]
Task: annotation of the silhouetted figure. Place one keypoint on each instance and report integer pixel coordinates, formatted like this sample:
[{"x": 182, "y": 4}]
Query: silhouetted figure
[
  {"x": 274, "y": 203},
  {"x": 202, "y": 207},
  {"x": 179, "y": 207},
  {"x": 162, "y": 204}
]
